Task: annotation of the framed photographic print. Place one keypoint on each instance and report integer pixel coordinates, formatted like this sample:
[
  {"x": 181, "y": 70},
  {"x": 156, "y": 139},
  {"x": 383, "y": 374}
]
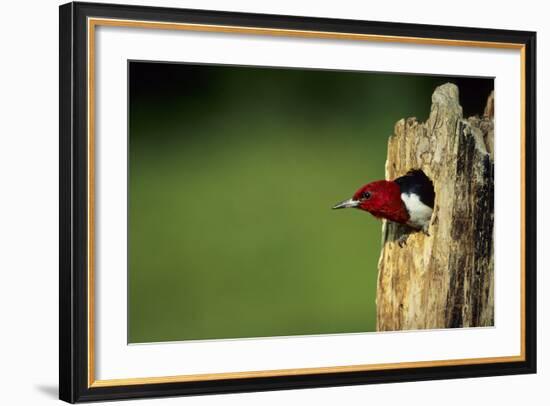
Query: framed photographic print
[{"x": 255, "y": 202}]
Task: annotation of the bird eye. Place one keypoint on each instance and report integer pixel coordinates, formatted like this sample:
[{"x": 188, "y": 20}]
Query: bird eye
[{"x": 365, "y": 195}]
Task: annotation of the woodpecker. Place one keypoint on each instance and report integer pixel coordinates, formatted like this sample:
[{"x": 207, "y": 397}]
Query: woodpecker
[{"x": 407, "y": 200}]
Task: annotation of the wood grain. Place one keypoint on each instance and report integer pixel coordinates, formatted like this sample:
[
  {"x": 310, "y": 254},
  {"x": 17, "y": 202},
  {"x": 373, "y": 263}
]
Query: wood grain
[{"x": 446, "y": 279}]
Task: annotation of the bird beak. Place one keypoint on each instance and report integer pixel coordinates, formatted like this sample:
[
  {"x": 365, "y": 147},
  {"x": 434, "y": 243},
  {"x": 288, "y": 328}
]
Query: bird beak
[{"x": 347, "y": 204}]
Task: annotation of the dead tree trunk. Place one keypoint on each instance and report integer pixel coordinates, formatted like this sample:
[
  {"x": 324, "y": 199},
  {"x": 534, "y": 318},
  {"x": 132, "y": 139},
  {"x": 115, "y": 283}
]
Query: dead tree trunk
[{"x": 444, "y": 279}]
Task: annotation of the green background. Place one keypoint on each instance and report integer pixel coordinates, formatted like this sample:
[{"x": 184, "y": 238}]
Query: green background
[{"x": 232, "y": 175}]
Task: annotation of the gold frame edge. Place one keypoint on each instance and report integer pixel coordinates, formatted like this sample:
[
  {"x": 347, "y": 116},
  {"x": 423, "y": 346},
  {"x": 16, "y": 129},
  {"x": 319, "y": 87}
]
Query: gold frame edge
[{"x": 91, "y": 25}]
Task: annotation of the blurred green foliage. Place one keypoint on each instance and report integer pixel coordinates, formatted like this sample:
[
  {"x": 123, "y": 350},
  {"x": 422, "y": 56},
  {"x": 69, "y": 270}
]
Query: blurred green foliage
[{"x": 232, "y": 175}]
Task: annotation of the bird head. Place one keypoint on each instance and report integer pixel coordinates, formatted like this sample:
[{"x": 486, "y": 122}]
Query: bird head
[{"x": 380, "y": 198}]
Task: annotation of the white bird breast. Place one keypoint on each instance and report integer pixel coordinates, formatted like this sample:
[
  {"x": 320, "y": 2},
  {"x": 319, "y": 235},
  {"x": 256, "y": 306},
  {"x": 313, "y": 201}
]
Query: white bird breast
[{"x": 420, "y": 214}]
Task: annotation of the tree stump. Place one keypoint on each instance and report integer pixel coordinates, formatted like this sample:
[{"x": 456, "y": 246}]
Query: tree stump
[{"x": 446, "y": 279}]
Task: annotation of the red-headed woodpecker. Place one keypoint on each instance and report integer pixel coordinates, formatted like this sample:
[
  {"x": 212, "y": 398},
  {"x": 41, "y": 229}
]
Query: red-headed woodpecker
[{"x": 408, "y": 200}]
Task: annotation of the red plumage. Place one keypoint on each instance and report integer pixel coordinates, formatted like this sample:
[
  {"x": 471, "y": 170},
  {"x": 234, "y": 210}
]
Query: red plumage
[{"x": 382, "y": 199}]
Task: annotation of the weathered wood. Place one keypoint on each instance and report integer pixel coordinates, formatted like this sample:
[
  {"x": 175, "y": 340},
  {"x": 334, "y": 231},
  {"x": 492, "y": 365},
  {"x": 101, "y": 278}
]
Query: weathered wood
[{"x": 444, "y": 279}]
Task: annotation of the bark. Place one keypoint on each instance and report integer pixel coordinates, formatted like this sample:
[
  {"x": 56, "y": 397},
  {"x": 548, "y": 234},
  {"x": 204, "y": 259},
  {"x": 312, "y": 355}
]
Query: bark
[{"x": 445, "y": 279}]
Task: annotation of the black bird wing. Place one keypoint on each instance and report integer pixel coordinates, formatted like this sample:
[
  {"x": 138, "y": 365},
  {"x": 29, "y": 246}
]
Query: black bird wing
[{"x": 416, "y": 182}]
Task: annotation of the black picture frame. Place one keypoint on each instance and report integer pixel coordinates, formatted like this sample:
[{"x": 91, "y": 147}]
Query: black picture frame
[{"x": 74, "y": 383}]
